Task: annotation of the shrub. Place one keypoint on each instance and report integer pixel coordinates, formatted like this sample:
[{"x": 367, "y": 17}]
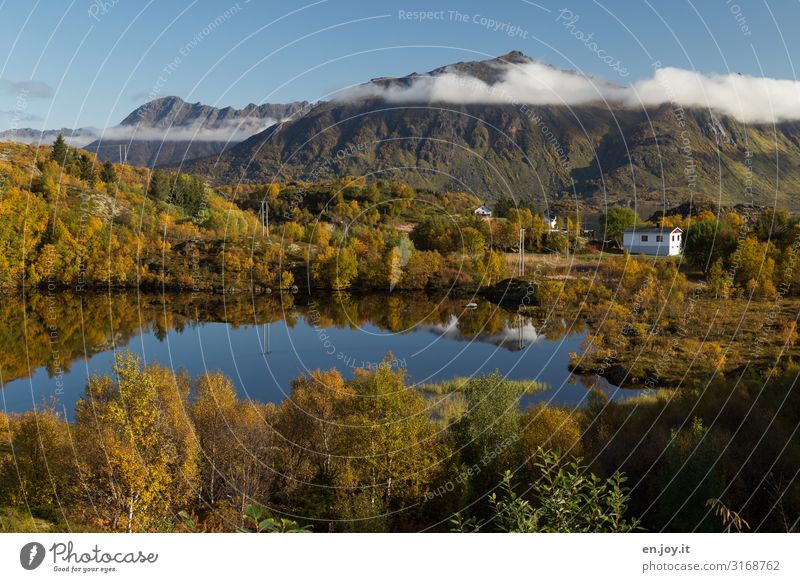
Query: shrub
[{"x": 549, "y": 428}]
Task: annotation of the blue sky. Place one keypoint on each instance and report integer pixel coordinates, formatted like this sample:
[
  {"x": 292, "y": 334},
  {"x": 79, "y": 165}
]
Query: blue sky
[{"x": 90, "y": 62}]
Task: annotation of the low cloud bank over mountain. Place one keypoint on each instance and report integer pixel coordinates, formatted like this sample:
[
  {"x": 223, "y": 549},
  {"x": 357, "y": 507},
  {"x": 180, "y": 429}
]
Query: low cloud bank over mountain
[{"x": 745, "y": 98}]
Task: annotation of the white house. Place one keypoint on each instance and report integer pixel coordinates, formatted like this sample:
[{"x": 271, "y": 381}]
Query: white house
[
  {"x": 653, "y": 241},
  {"x": 552, "y": 221},
  {"x": 483, "y": 210}
]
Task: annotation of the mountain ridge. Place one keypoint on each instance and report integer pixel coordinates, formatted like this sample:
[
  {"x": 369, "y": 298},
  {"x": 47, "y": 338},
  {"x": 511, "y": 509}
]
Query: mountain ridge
[
  {"x": 594, "y": 152},
  {"x": 169, "y": 130},
  {"x": 166, "y": 130}
]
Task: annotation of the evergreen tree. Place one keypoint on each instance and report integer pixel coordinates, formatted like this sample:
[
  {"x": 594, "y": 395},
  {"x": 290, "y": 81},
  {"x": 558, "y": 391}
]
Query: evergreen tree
[
  {"x": 87, "y": 169},
  {"x": 60, "y": 150},
  {"x": 159, "y": 188},
  {"x": 107, "y": 173}
]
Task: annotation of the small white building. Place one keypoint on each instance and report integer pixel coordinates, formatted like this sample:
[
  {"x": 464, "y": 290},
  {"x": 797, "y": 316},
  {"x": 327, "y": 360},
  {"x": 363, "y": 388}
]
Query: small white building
[
  {"x": 483, "y": 210},
  {"x": 665, "y": 241},
  {"x": 552, "y": 221}
]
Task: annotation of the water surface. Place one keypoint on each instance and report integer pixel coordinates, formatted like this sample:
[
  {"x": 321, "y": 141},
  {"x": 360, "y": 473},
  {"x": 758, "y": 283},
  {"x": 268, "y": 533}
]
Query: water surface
[{"x": 51, "y": 344}]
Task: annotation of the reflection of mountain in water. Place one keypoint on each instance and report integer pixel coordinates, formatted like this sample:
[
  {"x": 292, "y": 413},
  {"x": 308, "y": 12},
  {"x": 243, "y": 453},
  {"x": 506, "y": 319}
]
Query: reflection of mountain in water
[{"x": 511, "y": 337}]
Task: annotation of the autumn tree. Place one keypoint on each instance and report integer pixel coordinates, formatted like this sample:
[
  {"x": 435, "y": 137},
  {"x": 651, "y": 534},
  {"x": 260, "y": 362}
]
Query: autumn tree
[
  {"x": 719, "y": 282},
  {"x": 138, "y": 459},
  {"x": 421, "y": 269},
  {"x": 37, "y": 472},
  {"x": 319, "y": 234},
  {"x": 756, "y": 267},
  {"x": 549, "y": 428},
  {"x": 395, "y": 449},
  {"x": 494, "y": 268},
  {"x": 251, "y": 475},
  {"x": 212, "y": 412},
  {"x": 335, "y": 268},
  {"x": 293, "y": 231},
  {"x": 369, "y": 247},
  {"x": 707, "y": 241},
  {"x": 394, "y": 267},
  {"x": 522, "y": 216},
  {"x": 488, "y": 434},
  {"x": 237, "y": 445},
  {"x": 535, "y": 235},
  {"x": 310, "y": 422},
  {"x": 472, "y": 241},
  {"x": 435, "y": 234},
  {"x": 22, "y": 218},
  {"x": 273, "y": 192},
  {"x": 505, "y": 233}
]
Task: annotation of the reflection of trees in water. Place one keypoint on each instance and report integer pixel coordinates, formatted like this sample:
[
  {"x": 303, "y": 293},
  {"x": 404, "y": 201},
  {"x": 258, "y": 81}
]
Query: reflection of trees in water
[
  {"x": 42, "y": 330},
  {"x": 45, "y": 331}
]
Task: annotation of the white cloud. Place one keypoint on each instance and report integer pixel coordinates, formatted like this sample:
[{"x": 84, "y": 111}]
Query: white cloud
[
  {"x": 532, "y": 83},
  {"x": 19, "y": 116},
  {"x": 748, "y": 99},
  {"x": 29, "y": 88},
  {"x": 233, "y": 131},
  {"x": 77, "y": 138}
]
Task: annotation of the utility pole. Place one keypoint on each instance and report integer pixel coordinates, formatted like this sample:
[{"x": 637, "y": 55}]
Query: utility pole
[
  {"x": 264, "y": 215},
  {"x": 521, "y": 252}
]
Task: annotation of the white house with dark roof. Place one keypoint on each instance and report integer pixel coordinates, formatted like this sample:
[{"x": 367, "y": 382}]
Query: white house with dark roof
[
  {"x": 665, "y": 241},
  {"x": 483, "y": 210}
]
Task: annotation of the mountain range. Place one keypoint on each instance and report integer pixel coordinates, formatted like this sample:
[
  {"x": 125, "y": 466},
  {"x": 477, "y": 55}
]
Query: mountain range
[
  {"x": 167, "y": 130},
  {"x": 75, "y": 137},
  {"x": 485, "y": 127},
  {"x": 596, "y": 151}
]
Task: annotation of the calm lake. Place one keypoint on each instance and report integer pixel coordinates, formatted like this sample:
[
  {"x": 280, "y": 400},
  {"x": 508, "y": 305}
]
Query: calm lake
[{"x": 51, "y": 344}]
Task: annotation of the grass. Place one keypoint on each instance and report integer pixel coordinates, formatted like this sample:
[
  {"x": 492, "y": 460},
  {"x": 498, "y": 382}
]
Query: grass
[
  {"x": 456, "y": 385},
  {"x": 447, "y": 402},
  {"x": 15, "y": 520},
  {"x": 447, "y": 409}
]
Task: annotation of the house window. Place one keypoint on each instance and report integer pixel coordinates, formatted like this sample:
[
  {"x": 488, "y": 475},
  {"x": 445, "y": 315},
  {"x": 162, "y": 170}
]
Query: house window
[
  {"x": 644, "y": 238},
  {"x": 659, "y": 238}
]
